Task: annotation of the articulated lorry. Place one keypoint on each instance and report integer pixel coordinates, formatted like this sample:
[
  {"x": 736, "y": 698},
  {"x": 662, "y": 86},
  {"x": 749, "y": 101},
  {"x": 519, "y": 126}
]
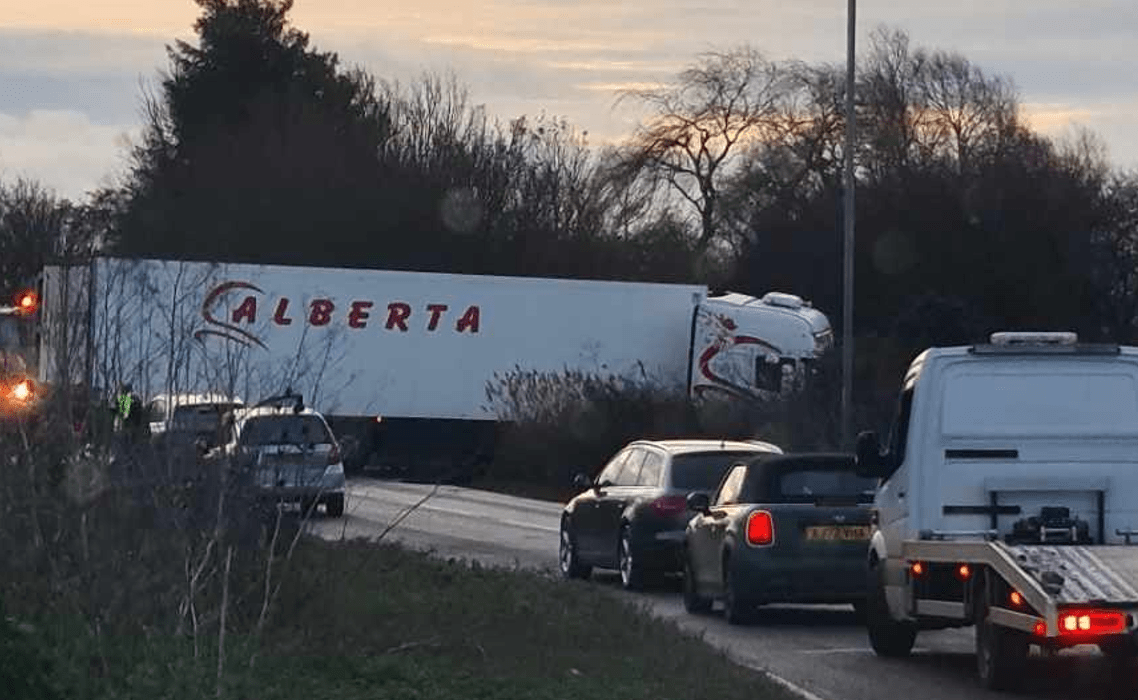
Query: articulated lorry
[
  {"x": 400, "y": 362},
  {"x": 1008, "y": 501},
  {"x": 18, "y": 356}
]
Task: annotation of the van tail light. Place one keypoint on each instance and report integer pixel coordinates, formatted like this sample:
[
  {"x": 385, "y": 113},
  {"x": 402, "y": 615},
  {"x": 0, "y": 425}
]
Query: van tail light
[
  {"x": 334, "y": 454},
  {"x": 1091, "y": 622},
  {"x": 760, "y": 528},
  {"x": 669, "y": 505}
]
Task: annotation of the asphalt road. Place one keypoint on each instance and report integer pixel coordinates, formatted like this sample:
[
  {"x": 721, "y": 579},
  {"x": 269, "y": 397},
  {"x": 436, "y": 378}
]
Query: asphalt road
[{"x": 820, "y": 649}]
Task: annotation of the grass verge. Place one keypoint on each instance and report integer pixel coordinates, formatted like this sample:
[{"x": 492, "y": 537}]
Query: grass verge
[{"x": 359, "y": 620}]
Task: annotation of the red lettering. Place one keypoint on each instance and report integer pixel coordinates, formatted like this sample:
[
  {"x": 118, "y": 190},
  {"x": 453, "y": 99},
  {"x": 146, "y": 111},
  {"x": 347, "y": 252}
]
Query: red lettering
[
  {"x": 321, "y": 312},
  {"x": 279, "y": 317},
  {"x": 357, "y": 317},
  {"x": 247, "y": 311},
  {"x": 468, "y": 320},
  {"x": 436, "y": 311},
  {"x": 397, "y": 314}
]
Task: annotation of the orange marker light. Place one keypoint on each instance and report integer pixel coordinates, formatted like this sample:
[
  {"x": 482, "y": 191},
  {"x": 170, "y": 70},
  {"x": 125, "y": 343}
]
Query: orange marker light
[
  {"x": 917, "y": 568},
  {"x": 1016, "y": 598},
  {"x": 964, "y": 571},
  {"x": 22, "y": 392},
  {"x": 1040, "y": 629},
  {"x": 27, "y": 302}
]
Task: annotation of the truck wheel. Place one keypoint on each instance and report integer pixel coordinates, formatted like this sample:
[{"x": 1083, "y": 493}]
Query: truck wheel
[
  {"x": 334, "y": 504},
  {"x": 888, "y": 637},
  {"x": 1000, "y": 655},
  {"x": 568, "y": 560},
  {"x": 694, "y": 603}
]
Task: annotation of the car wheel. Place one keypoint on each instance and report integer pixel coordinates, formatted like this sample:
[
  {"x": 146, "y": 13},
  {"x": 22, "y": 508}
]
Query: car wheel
[
  {"x": 568, "y": 561},
  {"x": 737, "y": 610},
  {"x": 631, "y": 571},
  {"x": 888, "y": 637},
  {"x": 693, "y": 602},
  {"x": 334, "y": 504}
]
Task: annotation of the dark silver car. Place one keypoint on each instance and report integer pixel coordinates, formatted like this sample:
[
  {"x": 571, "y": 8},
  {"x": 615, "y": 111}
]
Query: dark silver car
[
  {"x": 632, "y": 516},
  {"x": 288, "y": 454}
]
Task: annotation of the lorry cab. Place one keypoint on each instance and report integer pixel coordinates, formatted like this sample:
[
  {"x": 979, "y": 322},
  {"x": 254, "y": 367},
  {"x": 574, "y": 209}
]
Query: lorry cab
[{"x": 755, "y": 347}]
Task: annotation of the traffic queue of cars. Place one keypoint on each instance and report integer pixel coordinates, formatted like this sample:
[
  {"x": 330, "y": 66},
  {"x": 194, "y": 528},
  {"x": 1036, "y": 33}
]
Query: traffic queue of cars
[{"x": 746, "y": 524}]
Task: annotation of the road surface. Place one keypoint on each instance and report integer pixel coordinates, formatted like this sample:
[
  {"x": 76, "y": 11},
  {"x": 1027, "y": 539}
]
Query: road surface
[{"x": 820, "y": 649}]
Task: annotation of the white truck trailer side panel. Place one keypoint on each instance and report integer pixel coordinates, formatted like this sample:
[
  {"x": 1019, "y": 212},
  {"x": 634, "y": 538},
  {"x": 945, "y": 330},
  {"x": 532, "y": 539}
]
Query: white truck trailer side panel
[{"x": 363, "y": 342}]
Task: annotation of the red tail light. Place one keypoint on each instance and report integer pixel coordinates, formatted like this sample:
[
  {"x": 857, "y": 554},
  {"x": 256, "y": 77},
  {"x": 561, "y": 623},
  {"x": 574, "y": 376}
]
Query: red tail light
[
  {"x": 334, "y": 454},
  {"x": 27, "y": 302},
  {"x": 1091, "y": 622},
  {"x": 760, "y": 528},
  {"x": 670, "y": 505}
]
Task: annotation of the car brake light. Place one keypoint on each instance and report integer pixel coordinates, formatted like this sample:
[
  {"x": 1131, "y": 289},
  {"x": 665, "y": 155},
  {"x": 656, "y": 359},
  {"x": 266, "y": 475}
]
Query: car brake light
[
  {"x": 670, "y": 505},
  {"x": 334, "y": 455},
  {"x": 760, "y": 528},
  {"x": 1074, "y": 622}
]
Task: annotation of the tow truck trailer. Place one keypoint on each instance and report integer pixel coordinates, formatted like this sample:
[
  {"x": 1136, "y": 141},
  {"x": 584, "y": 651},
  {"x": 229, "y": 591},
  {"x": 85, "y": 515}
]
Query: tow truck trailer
[{"x": 1008, "y": 501}]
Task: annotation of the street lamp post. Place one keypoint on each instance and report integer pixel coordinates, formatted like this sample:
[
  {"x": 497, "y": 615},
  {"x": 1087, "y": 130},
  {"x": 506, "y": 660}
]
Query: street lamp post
[{"x": 848, "y": 236}]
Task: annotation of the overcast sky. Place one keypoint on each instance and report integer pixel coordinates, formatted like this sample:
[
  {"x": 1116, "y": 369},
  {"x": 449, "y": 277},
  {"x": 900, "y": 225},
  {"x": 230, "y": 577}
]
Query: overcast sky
[{"x": 72, "y": 71}]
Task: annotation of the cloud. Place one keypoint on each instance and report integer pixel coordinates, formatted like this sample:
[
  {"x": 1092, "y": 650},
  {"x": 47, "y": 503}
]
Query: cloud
[{"x": 61, "y": 149}]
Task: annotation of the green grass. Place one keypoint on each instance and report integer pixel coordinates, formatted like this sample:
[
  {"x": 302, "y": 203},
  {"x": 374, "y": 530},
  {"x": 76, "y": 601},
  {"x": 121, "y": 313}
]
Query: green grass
[{"x": 357, "y": 620}]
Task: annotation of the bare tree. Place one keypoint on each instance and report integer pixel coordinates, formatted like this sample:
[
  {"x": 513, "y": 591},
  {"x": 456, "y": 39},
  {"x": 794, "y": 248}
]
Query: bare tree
[{"x": 718, "y": 106}]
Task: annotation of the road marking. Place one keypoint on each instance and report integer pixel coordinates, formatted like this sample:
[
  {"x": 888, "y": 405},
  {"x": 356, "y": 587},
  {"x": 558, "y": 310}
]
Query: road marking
[
  {"x": 848, "y": 650},
  {"x": 782, "y": 682}
]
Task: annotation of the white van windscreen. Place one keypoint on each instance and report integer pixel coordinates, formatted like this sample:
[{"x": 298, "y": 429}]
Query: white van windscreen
[{"x": 1043, "y": 404}]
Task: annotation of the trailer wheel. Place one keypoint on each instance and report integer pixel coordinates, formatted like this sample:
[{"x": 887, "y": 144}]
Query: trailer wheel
[
  {"x": 888, "y": 637},
  {"x": 1000, "y": 655}
]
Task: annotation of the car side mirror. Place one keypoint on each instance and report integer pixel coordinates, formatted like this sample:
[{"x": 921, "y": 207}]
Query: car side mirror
[
  {"x": 580, "y": 481},
  {"x": 699, "y": 502},
  {"x": 869, "y": 460}
]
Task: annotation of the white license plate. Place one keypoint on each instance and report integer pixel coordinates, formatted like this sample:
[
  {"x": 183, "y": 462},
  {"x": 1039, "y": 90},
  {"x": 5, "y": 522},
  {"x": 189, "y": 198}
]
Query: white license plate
[{"x": 837, "y": 533}]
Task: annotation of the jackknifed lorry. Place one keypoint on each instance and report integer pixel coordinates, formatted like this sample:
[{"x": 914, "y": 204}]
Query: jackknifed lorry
[
  {"x": 398, "y": 361},
  {"x": 1008, "y": 501}
]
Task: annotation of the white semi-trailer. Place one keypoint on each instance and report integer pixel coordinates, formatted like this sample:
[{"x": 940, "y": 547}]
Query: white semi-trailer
[{"x": 404, "y": 358}]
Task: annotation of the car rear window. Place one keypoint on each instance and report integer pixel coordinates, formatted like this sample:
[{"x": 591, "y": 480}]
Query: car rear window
[
  {"x": 808, "y": 485},
  {"x": 197, "y": 418},
  {"x": 702, "y": 471},
  {"x": 284, "y": 430}
]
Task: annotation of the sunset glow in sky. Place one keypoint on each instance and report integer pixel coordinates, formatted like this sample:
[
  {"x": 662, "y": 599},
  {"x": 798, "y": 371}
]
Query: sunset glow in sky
[{"x": 71, "y": 72}]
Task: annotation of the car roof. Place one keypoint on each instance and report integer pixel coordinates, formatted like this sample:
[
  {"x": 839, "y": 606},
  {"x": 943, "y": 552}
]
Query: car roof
[
  {"x": 810, "y": 460},
  {"x": 690, "y": 445},
  {"x": 261, "y": 411},
  {"x": 189, "y": 399}
]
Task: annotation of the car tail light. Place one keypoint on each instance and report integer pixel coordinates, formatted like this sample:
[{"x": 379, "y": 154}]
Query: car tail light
[
  {"x": 760, "y": 528},
  {"x": 334, "y": 454},
  {"x": 670, "y": 505},
  {"x": 1091, "y": 622}
]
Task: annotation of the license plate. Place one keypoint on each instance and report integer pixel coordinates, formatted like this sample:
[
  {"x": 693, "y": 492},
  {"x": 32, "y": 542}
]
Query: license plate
[{"x": 840, "y": 533}]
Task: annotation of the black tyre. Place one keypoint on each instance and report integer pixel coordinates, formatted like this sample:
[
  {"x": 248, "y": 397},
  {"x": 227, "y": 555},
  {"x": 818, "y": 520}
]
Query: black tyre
[
  {"x": 568, "y": 561},
  {"x": 334, "y": 504},
  {"x": 631, "y": 570},
  {"x": 694, "y": 603},
  {"x": 737, "y": 608},
  {"x": 888, "y": 637},
  {"x": 1000, "y": 655}
]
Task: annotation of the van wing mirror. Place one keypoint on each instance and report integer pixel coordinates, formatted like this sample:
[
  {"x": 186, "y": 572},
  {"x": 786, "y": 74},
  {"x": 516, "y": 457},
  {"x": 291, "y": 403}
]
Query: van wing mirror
[{"x": 870, "y": 462}]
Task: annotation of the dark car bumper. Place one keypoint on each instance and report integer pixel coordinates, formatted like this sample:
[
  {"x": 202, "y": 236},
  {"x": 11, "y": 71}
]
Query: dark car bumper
[
  {"x": 768, "y": 579},
  {"x": 661, "y": 548}
]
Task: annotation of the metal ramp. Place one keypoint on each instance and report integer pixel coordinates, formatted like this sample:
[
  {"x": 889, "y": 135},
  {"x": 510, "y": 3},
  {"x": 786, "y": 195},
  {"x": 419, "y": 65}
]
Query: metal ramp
[{"x": 1080, "y": 574}]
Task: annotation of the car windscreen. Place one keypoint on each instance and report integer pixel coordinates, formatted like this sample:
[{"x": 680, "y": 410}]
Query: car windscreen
[
  {"x": 284, "y": 430},
  {"x": 702, "y": 471},
  {"x": 812, "y": 485}
]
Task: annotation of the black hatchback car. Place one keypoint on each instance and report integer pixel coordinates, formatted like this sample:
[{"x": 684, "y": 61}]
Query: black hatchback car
[
  {"x": 790, "y": 529},
  {"x": 632, "y": 516}
]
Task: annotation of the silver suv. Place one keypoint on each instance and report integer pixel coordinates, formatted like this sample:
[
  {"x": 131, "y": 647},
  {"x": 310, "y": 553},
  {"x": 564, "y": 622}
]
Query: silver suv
[{"x": 288, "y": 453}]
